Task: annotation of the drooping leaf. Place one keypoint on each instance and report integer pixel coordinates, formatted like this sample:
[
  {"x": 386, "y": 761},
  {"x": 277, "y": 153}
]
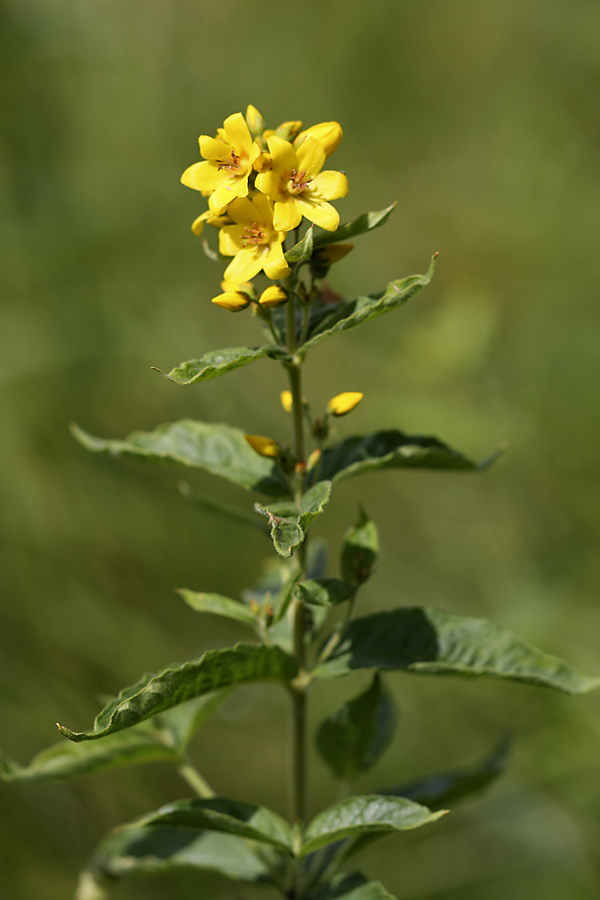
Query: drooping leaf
[
  {"x": 219, "y": 362},
  {"x": 289, "y": 522},
  {"x": 353, "y": 739},
  {"x": 389, "y": 450},
  {"x": 324, "y": 591},
  {"x": 352, "y": 313},
  {"x": 134, "y": 851},
  {"x": 433, "y": 642},
  {"x": 360, "y": 225},
  {"x": 362, "y": 815},
  {"x": 223, "y": 510},
  {"x": 448, "y": 787},
  {"x": 359, "y": 550},
  {"x": 244, "y": 820},
  {"x": 216, "y": 669},
  {"x": 219, "y": 449},
  {"x": 164, "y": 738},
  {"x": 353, "y": 886},
  {"x": 302, "y": 251},
  {"x": 219, "y": 606}
]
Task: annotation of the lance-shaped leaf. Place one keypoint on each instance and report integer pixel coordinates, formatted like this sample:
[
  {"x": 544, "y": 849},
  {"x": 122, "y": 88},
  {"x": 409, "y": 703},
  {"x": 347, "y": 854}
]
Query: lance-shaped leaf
[
  {"x": 133, "y": 851},
  {"x": 353, "y": 886},
  {"x": 324, "y": 591},
  {"x": 163, "y": 738},
  {"x": 433, "y": 642},
  {"x": 360, "y": 225},
  {"x": 302, "y": 251},
  {"x": 216, "y": 669},
  {"x": 352, "y": 313},
  {"x": 290, "y": 522},
  {"x": 219, "y": 362},
  {"x": 219, "y": 606},
  {"x": 448, "y": 787},
  {"x": 219, "y": 449},
  {"x": 244, "y": 820},
  {"x": 359, "y": 550},
  {"x": 364, "y": 815},
  {"x": 389, "y": 450},
  {"x": 359, "y": 732}
]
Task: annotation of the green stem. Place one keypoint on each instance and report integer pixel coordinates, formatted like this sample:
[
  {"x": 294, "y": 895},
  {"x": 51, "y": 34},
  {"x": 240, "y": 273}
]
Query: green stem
[{"x": 195, "y": 780}]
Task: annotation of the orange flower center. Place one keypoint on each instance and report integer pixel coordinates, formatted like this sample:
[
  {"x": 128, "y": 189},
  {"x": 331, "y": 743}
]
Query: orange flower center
[
  {"x": 254, "y": 234},
  {"x": 298, "y": 182},
  {"x": 231, "y": 166}
]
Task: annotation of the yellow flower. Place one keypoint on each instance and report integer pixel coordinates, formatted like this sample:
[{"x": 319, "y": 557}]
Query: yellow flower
[
  {"x": 264, "y": 446},
  {"x": 234, "y": 301},
  {"x": 328, "y": 133},
  {"x": 273, "y": 296},
  {"x": 344, "y": 403},
  {"x": 229, "y": 159},
  {"x": 253, "y": 241},
  {"x": 286, "y": 401},
  {"x": 298, "y": 187}
]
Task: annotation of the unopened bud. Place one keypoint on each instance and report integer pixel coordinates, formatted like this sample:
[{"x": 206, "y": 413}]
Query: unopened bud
[
  {"x": 288, "y": 130},
  {"x": 328, "y": 133},
  {"x": 255, "y": 121},
  {"x": 234, "y": 301},
  {"x": 313, "y": 459},
  {"x": 264, "y": 446},
  {"x": 344, "y": 403},
  {"x": 273, "y": 296},
  {"x": 287, "y": 401}
]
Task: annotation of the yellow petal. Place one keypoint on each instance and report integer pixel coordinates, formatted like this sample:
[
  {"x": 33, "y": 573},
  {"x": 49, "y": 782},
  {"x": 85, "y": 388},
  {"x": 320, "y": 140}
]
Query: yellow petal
[
  {"x": 284, "y": 156},
  {"x": 328, "y": 133},
  {"x": 287, "y": 401},
  {"x": 246, "y": 264},
  {"x": 263, "y": 445},
  {"x": 230, "y": 239},
  {"x": 243, "y": 211},
  {"x": 318, "y": 211},
  {"x": 275, "y": 265},
  {"x": 234, "y": 301},
  {"x": 344, "y": 403},
  {"x": 211, "y": 148},
  {"x": 246, "y": 287},
  {"x": 238, "y": 133},
  {"x": 329, "y": 186},
  {"x": 269, "y": 183},
  {"x": 273, "y": 296},
  {"x": 311, "y": 157},
  {"x": 198, "y": 224},
  {"x": 202, "y": 176},
  {"x": 263, "y": 163},
  {"x": 287, "y": 215},
  {"x": 222, "y": 196}
]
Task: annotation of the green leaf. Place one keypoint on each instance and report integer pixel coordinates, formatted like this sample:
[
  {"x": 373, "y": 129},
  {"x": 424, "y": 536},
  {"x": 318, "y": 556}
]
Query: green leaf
[
  {"x": 216, "y": 669},
  {"x": 353, "y": 739},
  {"x": 218, "y": 605},
  {"x": 353, "y": 886},
  {"x": 165, "y": 738},
  {"x": 360, "y": 550},
  {"x": 360, "y": 225},
  {"x": 389, "y": 450},
  {"x": 234, "y": 817},
  {"x": 302, "y": 251},
  {"x": 290, "y": 522},
  {"x": 433, "y": 642},
  {"x": 219, "y": 449},
  {"x": 352, "y": 313},
  {"x": 222, "y": 510},
  {"x": 133, "y": 851},
  {"x": 324, "y": 591},
  {"x": 363, "y": 815},
  {"x": 448, "y": 787},
  {"x": 218, "y": 362}
]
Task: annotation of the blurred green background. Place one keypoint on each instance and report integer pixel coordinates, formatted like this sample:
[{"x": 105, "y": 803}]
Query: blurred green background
[{"x": 482, "y": 120}]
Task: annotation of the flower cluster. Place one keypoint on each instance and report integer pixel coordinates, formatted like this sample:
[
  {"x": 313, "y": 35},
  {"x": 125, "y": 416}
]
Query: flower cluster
[{"x": 260, "y": 184}]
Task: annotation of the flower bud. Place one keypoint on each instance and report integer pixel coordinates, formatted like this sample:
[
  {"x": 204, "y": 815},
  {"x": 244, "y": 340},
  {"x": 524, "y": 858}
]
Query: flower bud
[
  {"x": 328, "y": 133},
  {"x": 288, "y": 130},
  {"x": 273, "y": 296},
  {"x": 234, "y": 301},
  {"x": 286, "y": 401},
  {"x": 255, "y": 121},
  {"x": 264, "y": 446},
  {"x": 313, "y": 459},
  {"x": 344, "y": 403}
]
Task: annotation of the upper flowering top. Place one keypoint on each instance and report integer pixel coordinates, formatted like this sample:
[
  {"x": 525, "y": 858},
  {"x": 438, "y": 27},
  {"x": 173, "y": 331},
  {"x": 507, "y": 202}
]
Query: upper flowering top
[{"x": 260, "y": 183}]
